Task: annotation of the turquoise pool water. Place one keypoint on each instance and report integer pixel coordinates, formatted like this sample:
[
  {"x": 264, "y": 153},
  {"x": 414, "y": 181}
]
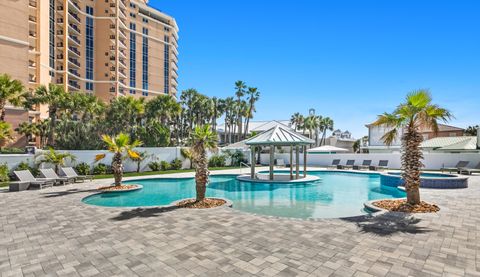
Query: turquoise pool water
[{"x": 336, "y": 195}]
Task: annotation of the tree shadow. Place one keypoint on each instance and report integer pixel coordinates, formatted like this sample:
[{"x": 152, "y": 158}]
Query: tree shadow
[
  {"x": 66, "y": 192},
  {"x": 144, "y": 213},
  {"x": 388, "y": 223}
]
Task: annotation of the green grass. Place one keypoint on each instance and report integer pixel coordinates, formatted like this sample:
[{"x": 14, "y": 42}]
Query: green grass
[{"x": 148, "y": 173}]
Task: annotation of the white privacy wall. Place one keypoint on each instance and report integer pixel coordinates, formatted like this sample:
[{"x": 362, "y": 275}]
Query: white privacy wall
[
  {"x": 431, "y": 160},
  {"x": 88, "y": 156}
]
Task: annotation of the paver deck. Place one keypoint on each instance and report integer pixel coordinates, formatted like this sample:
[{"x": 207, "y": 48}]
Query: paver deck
[{"x": 52, "y": 233}]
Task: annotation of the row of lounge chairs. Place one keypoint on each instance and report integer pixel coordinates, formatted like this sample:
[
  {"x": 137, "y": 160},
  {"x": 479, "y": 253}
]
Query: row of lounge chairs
[
  {"x": 49, "y": 178},
  {"x": 366, "y": 165},
  {"x": 462, "y": 168}
]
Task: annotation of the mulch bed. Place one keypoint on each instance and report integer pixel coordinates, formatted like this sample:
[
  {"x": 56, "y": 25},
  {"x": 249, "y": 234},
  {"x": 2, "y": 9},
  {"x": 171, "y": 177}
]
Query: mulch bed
[
  {"x": 404, "y": 207},
  {"x": 117, "y": 188},
  {"x": 205, "y": 204}
]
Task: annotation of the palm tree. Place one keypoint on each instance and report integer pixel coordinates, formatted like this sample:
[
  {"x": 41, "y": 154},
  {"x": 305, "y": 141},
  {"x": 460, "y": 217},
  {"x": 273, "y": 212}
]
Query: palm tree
[
  {"x": 87, "y": 105},
  {"x": 202, "y": 140},
  {"x": 54, "y": 157},
  {"x": 122, "y": 148},
  {"x": 297, "y": 119},
  {"x": 11, "y": 91},
  {"x": 162, "y": 108},
  {"x": 187, "y": 154},
  {"x": 6, "y": 134},
  {"x": 43, "y": 128},
  {"x": 57, "y": 100},
  {"x": 409, "y": 117},
  {"x": 240, "y": 87},
  {"x": 326, "y": 125},
  {"x": 124, "y": 114},
  {"x": 138, "y": 160},
  {"x": 253, "y": 96},
  {"x": 229, "y": 117},
  {"x": 28, "y": 129}
]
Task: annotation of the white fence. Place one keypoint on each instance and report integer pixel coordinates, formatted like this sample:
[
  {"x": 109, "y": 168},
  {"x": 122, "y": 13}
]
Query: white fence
[
  {"x": 88, "y": 156},
  {"x": 431, "y": 160}
]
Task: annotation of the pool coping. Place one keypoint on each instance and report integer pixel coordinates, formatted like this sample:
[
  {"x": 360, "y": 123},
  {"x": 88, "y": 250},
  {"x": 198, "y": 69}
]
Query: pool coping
[{"x": 308, "y": 179}]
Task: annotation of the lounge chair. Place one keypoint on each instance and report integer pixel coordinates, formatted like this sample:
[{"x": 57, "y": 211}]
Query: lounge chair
[
  {"x": 25, "y": 176},
  {"x": 469, "y": 171},
  {"x": 460, "y": 164},
  {"x": 335, "y": 163},
  {"x": 49, "y": 173},
  {"x": 348, "y": 165},
  {"x": 70, "y": 173},
  {"x": 365, "y": 165},
  {"x": 382, "y": 165}
]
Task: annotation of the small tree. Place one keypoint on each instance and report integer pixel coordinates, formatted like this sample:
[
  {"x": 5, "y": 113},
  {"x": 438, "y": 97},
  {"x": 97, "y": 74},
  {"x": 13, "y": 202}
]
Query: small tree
[
  {"x": 54, "y": 157},
  {"x": 28, "y": 129},
  {"x": 6, "y": 134},
  {"x": 202, "y": 140},
  {"x": 122, "y": 148},
  {"x": 416, "y": 112},
  {"x": 11, "y": 91},
  {"x": 138, "y": 160}
]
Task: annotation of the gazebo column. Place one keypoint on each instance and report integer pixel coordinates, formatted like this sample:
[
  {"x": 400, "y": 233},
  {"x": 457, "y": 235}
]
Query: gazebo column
[
  {"x": 291, "y": 162},
  {"x": 304, "y": 161},
  {"x": 252, "y": 162},
  {"x": 272, "y": 160},
  {"x": 297, "y": 165}
]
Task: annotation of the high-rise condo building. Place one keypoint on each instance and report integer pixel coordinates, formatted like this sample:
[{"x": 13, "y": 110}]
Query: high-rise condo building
[{"x": 110, "y": 48}]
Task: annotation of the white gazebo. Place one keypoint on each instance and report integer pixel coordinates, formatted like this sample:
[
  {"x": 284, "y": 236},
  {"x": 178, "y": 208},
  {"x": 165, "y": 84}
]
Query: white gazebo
[
  {"x": 328, "y": 149},
  {"x": 280, "y": 136}
]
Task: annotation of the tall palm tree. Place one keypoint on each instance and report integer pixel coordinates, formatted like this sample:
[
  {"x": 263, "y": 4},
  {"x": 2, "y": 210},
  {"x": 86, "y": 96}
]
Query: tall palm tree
[
  {"x": 87, "y": 105},
  {"x": 11, "y": 91},
  {"x": 229, "y": 118},
  {"x": 162, "y": 108},
  {"x": 122, "y": 148},
  {"x": 240, "y": 87},
  {"x": 202, "y": 140},
  {"x": 409, "y": 117},
  {"x": 327, "y": 125},
  {"x": 28, "y": 129},
  {"x": 253, "y": 96},
  {"x": 297, "y": 120},
  {"x": 53, "y": 157},
  {"x": 124, "y": 114},
  {"x": 43, "y": 128},
  {"x": 57, "y": 100},
  {"x": 6, "y": 134}
]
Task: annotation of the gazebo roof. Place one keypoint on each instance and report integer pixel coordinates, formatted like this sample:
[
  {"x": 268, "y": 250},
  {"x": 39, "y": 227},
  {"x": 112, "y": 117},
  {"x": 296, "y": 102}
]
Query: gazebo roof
[
  {"x": 279, "y": 135},
  {"x": 326, "y": 149}
]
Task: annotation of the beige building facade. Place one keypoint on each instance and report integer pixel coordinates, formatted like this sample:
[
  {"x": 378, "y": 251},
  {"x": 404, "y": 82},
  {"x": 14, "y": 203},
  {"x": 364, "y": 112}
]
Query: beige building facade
[{"x": 110, "y": 48}]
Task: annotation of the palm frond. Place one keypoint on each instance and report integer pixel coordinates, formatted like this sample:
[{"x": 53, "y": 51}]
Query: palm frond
[
  {"x": 99, "y": 157},
  {"x": 390, "y": 136}
]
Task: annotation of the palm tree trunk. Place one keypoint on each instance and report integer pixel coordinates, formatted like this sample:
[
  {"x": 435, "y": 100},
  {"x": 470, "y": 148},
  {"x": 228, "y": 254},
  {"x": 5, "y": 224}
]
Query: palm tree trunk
[
  {"x": 53, "y": 122},
  {"x": 411, "y": 164},
  {"x": 117, "y": 168},
  {"x": 201, "y": 176}
]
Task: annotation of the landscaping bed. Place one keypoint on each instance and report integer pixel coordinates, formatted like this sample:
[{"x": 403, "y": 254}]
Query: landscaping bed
[
  {"x": 204, "y": 204},
  {"x": 401, "y": 205},
  {"x": 120, "y": 188}
]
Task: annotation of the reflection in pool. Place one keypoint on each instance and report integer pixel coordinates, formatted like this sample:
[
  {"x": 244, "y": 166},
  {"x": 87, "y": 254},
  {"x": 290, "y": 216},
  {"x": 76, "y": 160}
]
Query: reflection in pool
[{"x": 337, "y": 194}]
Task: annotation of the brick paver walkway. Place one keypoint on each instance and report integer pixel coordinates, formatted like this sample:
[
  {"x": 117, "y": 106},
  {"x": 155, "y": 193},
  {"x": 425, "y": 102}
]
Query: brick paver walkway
[{"x": 52, "y": 233}]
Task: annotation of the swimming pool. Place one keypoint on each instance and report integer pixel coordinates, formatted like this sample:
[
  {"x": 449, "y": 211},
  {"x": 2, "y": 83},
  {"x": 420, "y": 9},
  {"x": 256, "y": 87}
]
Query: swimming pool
[{"x": 337, "y": 194}]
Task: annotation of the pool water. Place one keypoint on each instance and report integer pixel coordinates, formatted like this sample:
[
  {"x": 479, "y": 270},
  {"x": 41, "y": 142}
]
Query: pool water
[{"x": 336, "y": 195}]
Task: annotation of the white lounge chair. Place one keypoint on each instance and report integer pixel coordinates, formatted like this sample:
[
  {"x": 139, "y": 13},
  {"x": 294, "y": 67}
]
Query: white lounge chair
[
  {"x": 49, "y": 173},
  {"x": 469, "y": 171},
  {"x": 365, "y": 165},
  {"x": 71, "y": 173},
  {"x": 25, "y": 176},
  {"x": 460, "y": 164}
]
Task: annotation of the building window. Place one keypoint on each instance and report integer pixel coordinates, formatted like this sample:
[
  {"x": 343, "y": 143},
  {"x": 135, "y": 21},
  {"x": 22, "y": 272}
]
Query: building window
[
  {"x": 89, "y": 49},
  {"x": 166, "y": 66},
  {"x": 133, "y": 58},
  {"x": 145, "y": 62},
  {"x": 145, "y": 20},
  {"x": 52, "y": 35}
]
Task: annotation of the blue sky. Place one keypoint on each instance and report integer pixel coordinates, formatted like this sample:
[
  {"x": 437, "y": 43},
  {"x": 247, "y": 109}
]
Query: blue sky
[{"x": 350, "y": 60}]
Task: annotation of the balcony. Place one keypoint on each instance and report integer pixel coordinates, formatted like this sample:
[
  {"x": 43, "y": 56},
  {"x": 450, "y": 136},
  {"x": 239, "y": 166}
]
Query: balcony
[
  {"x": 60, "y": 56},
  {"x": 75, "y": 17},
  {"x": 75, "y": 28},
  {"x": 74, "y": 62},
  {"x": 112, "y": 89},
  {"x": 32, "y": 19},
  {"x": 32, "y": 4},
  {"x": 74, "y": 72},
  {"x": 74, "y": 50},
  {"x": 32, "y": 79},
  {"x": 74, "y": 85},
  {"x": 74, "y": 39},
  {"x": 32, "y": 34}
]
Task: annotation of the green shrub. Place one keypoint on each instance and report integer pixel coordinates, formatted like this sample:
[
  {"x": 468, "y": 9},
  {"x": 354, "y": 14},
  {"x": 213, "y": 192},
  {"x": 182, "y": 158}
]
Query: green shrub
[
  {"x": 164, "y": 165},
  {"x": 154, "y": 166},
  {"x": 176, "y": 164},
  {"x": 82, "y": 169},
  {"x": 236, "y": 157},
  {"x": 12, "y": 150},
  {"x": 217, "y": 161},
  {"x": 25, "y": 166},
  {"x": 100, "y": 169},
  {"x": 4, "y": 172}
]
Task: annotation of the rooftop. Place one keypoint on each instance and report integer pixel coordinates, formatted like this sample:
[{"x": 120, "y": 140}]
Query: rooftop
[{"x": 451, "y": 143}]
